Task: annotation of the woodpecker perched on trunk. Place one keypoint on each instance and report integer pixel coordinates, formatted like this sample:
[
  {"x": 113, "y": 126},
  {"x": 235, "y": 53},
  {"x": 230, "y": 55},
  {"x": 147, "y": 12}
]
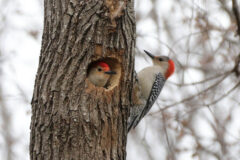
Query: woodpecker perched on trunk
[
  {"x": 150, "y": 82},
  {"x": 99, "y": 74}
]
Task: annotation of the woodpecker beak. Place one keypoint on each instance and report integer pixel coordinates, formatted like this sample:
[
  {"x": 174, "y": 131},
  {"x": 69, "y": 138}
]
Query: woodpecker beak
[
  {"x": 110, "y": 72},
  {"x": 149, "y": 54}
]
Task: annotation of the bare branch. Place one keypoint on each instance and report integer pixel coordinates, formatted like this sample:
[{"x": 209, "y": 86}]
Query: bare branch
[{"x": 236, "y": 14}]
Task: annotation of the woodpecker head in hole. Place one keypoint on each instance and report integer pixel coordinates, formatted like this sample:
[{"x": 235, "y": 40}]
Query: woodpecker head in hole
[
  {"x": 164, "y": 62},
  {"x": 100, "y": 73}
]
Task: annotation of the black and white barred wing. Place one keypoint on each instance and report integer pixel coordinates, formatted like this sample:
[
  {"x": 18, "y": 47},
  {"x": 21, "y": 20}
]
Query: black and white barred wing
[{"x": 155, "y": 91}]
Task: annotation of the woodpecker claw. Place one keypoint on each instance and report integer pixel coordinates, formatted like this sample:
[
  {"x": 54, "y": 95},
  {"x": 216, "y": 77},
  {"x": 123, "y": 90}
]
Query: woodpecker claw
[
  {"x": 149, "y": 54},
  {"x": 110, "y": 72}
]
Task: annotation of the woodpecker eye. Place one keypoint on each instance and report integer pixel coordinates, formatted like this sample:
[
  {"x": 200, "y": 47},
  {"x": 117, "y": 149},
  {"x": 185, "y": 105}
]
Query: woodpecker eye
[
  {"x": 99, "y": 69},
  {"x": 160, "y": 59}
]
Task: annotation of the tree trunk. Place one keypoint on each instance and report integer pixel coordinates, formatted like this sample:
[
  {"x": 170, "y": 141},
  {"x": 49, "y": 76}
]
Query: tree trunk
[{"x": 72, "y": 118}]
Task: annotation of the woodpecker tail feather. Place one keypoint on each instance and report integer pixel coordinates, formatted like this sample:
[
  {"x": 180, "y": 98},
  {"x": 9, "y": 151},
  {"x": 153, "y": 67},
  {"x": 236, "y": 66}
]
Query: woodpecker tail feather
[{"x": 137, "y": 102}]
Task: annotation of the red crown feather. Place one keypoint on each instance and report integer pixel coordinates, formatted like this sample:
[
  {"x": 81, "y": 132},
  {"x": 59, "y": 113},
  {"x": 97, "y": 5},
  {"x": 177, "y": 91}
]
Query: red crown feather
[
  {"x": 171, "y": 68},
  {"x": 104, "y": 65}
]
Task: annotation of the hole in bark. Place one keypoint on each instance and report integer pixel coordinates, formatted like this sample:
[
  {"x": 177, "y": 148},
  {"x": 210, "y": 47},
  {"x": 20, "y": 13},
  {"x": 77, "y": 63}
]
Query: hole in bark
[{"x": 98, "y": 77}]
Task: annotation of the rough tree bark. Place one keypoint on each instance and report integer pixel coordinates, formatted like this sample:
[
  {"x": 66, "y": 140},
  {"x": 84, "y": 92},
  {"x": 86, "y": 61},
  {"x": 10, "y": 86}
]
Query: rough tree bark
[{"x": 71, "y": 118}]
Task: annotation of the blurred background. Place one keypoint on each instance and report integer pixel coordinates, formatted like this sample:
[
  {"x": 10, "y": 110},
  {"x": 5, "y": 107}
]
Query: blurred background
[{"x": 197, "y": 116}]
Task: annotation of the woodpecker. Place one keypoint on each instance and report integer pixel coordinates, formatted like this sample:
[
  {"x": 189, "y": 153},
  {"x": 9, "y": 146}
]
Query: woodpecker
[
  {"x": 100, "y": 73},
  {"x": 150, "y": 82}
]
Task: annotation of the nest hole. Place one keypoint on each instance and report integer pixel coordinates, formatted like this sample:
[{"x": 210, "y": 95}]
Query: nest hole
[{"x": 113, "y": 79}]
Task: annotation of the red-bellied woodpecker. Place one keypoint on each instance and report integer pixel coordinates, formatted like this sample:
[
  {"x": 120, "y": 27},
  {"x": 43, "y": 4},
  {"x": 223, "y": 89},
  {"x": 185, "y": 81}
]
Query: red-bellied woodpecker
[
  {"x": 100, "y": 73},
  {"x": 150, "y": 82}
]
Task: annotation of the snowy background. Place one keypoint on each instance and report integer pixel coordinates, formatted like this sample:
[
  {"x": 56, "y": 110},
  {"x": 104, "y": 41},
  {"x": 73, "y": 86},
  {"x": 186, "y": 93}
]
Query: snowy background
[{"x": 197, "y": 115}]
